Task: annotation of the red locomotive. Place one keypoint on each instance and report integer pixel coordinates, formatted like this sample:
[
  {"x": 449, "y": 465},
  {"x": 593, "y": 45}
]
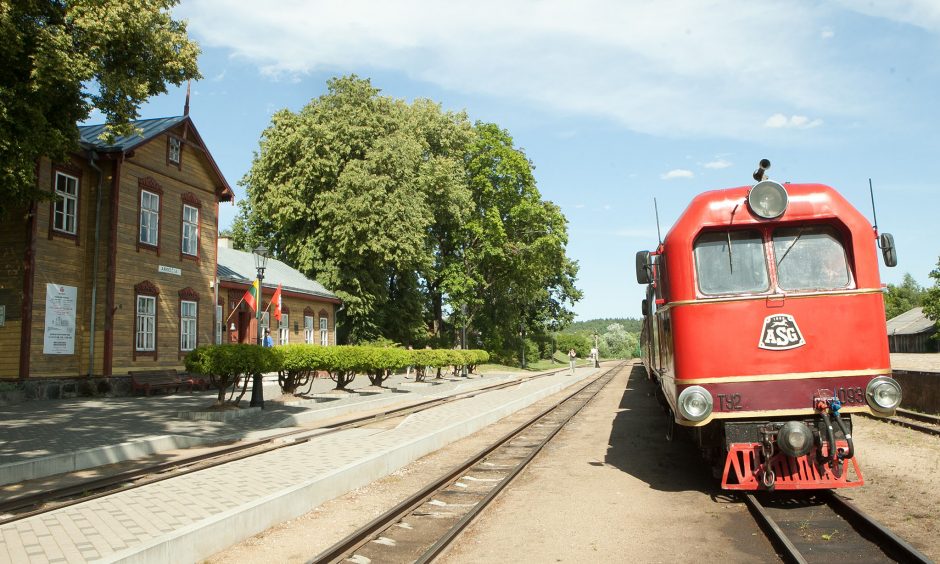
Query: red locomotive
[{"x": 764, "y": 331}]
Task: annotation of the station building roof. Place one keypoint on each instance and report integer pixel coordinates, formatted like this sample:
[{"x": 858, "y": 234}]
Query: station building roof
[
  {"x": 239, "y": 267},
  {"x": 145, "y": 130}
]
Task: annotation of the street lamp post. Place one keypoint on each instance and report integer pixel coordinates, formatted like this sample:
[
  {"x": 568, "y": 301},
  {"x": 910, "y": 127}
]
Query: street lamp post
[
  {"x": 522, "y": 334},
  {"x": 463, "y": 335},
  {"x": 597, "y": 353},
  {"x": 257, "y": 388}
]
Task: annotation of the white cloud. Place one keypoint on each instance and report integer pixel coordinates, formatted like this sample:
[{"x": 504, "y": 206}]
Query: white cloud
[
  {"x": 780, "y": 121},
  {"x": 677, "y": 173},
  {"x": 630, "y": 61},
  {"x": 924, "y": 14},
  {"x": 718, "y": 163},
  {"x": 827, "y": 33}
]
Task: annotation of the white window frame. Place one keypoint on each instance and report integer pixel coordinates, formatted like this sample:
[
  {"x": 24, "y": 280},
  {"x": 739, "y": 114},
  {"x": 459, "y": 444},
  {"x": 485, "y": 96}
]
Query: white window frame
[
  {"x": 190, "y": 231},
  {"x": 283, "y": 330},
  {"x": 151, "y": 234},
  {"x": 188, "y": 325},
  {"x": 308, "y": 329},
  {"x": 175, "y": 150},
  {"x": 66, "y": 204},
  {"x": 219, "y": 325},
  {"x": 265, "y": 320},
  {"x": 324, "y": 331},
  {"x": 146, "y": 324}
]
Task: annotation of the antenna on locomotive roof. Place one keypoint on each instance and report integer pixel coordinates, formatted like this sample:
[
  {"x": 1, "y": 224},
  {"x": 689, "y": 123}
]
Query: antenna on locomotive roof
[
  {"x": 658, "y": 234},
  {"x": 871, "y": 191}
]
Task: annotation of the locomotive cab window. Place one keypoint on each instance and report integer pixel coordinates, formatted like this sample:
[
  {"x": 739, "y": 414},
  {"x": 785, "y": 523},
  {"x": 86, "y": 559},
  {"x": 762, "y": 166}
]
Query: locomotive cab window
[
  {"x": 731, "y": 262},
  {"x": 811, "y": 258}
]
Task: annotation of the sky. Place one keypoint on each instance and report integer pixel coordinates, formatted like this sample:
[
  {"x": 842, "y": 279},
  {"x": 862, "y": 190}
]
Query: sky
[{"x": 615, "y": 102}]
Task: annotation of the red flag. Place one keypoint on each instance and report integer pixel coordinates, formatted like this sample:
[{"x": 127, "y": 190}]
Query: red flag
[{"x": 276, "y": 300}]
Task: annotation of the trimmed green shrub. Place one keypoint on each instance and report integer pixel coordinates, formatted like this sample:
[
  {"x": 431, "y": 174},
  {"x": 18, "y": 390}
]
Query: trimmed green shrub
[{"x": 225, "y": 364}]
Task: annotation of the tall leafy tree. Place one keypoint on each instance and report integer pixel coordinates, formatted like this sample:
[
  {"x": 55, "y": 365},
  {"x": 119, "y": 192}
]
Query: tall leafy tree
[
  {"x": 931, "y": 298},
  {"x": 410, "y": 214},
  {"x": 903, "y": 297},
  {"x": 60, "y": 58},
  {"x": 348, "y": 190},
  {"x": 515, "y": 276}
]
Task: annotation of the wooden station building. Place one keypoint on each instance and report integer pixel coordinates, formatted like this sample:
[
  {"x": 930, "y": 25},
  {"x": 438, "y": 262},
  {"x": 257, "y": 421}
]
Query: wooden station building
[{"x": 116, "y": 271}]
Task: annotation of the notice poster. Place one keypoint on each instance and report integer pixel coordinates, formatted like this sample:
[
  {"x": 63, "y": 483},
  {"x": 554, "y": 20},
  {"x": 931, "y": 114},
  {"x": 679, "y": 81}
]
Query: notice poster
[{"x": 59, "y": 337}]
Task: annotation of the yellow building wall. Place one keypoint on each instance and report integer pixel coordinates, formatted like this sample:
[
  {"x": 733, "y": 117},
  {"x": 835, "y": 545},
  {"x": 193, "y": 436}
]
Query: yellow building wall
[{"x": 136, "y": 263}]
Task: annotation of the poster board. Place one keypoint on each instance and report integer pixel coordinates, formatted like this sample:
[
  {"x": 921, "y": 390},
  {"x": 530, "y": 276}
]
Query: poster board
[{"x": 59, "y": 335}]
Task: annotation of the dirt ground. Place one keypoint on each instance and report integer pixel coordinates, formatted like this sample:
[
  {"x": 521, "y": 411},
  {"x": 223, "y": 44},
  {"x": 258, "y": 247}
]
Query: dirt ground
[{"x": 610, "y": 489}]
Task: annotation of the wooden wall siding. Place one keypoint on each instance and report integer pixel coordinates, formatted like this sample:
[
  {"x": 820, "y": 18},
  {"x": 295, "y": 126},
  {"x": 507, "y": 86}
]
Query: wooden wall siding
[
  {"x": 12, "y": 249},
  {"x": 135, "y": 265},
  {"x": 71, "y": 262}
]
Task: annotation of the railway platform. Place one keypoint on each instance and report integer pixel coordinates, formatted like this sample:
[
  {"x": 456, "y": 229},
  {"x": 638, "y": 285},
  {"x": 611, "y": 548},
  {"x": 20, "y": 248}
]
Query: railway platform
[{"x": 185, "y": 518}]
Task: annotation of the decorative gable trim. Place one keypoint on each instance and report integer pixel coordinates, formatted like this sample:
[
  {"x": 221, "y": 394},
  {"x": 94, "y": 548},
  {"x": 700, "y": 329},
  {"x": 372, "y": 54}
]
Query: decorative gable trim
[
  {"x": 146, "y": 288},
  {"x": 189, "y": 294}
]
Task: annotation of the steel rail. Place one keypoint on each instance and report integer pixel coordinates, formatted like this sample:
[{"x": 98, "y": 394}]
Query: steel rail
[
  {"x": 898, "y": 546},
  {"x": 868, "y": 528},
  {"x": 340, "y": 550},
  {"x": 461, "y": 525},
  {"x": 166, "y": 470},
  {"x": 907, "y": 423},
  {"x": 777, "y": 537}
]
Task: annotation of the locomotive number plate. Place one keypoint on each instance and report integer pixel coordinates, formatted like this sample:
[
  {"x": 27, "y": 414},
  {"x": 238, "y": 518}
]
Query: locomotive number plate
[
  {"x": 729, "y": 402},
  {"x": 780, "y": 333},
  {"x": 850, "y": 395}
]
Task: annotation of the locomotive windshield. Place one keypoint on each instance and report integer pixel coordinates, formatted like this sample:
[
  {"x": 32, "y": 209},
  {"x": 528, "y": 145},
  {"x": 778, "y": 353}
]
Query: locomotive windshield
[
  {"x": 731, "y": 262},
  {"x": 810, "y": 258}
]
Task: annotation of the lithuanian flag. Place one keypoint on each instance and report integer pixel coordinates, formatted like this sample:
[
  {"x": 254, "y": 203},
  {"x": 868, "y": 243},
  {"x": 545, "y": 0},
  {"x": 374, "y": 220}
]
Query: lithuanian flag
[{"x": 251, "y": 296}]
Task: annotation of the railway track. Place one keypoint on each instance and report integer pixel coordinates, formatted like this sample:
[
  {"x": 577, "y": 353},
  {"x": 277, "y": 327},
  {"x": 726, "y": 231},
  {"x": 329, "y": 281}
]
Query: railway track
[
  {"x": 24, "y": 506},
  {"x": 922, "y": 422},
  {"x": 821, "y": 526},
  {"x": 422, "y": 526}
]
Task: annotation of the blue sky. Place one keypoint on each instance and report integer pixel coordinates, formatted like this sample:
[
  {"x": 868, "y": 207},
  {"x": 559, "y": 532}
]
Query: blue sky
[{"x": 615, "y": 102}]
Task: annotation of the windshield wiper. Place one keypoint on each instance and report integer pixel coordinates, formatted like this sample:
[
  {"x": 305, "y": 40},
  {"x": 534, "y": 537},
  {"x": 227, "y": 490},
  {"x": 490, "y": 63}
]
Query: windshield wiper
[
  {"x": 730, "y": 257},
  {"x": 786, "y": 252}
]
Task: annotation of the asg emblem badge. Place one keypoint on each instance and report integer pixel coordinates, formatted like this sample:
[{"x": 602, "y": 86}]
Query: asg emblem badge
[{"x": 780, "y": 333}]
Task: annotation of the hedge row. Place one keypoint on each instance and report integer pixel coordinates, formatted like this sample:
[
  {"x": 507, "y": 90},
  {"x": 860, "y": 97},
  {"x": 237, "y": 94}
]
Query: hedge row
[{"x": 297, "y": 364}]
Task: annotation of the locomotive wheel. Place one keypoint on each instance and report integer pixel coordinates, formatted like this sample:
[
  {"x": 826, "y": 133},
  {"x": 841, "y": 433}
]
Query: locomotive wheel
[{"x": 670, "y": 427}]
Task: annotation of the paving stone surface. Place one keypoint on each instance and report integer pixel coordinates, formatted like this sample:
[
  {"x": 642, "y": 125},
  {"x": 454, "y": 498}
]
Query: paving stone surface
[{"x": 115, "y": 527}]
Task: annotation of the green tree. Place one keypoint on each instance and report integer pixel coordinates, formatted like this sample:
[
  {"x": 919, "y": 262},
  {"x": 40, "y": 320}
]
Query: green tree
[
  {"x": 421, "y": 222},
  {"x": 903, "y": 297},
  {"x": 360, "y": 191},
  {"x": 60, "y": 58},
  {"x": 514, "y": 275},
  {"x": 617, "y": 342},
  {"x": 931, "y": 298}
]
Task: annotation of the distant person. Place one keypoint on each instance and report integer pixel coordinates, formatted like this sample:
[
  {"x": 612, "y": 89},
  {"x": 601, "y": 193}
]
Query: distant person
[
  {"x": 595, "y": 357},
  {"x": 572, "y": 356},
  {"x": 409, "y": 367},
  {"x": 268, "y": 341}
]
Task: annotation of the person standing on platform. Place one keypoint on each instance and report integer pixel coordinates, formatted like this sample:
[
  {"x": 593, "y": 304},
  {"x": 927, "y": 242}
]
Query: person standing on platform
[
  {"x": 572, "y": 356},
  {"x": 595, "y": 357}
]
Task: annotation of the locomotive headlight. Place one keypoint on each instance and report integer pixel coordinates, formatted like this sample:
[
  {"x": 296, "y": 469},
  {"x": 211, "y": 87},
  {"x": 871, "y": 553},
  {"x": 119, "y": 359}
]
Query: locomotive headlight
[
  {"x": 883, "y": 394},
  {"x": 768, "y": 199},
  {"x": 695, "y": 403},
  {"x": 795, "y": 438}
]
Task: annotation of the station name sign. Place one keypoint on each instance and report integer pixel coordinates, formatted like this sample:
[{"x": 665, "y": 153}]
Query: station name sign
[{"x": 169, "y": 270}]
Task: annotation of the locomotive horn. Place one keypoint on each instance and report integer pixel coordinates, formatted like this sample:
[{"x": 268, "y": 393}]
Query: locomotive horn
[{"x": 762, "y": 168}]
